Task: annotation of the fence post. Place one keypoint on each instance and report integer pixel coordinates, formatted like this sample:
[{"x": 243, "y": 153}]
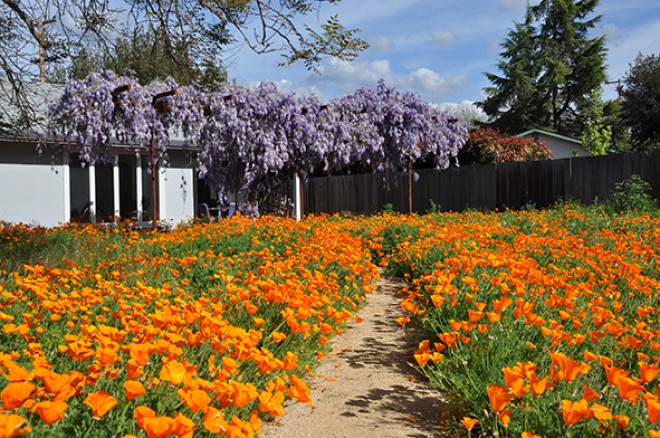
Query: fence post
[{"x": 298, "y": 196}]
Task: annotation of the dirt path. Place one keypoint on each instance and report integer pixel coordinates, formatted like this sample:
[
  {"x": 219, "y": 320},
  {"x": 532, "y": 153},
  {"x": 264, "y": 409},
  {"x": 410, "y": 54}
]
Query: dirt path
[{"x": 365, "y": 386}]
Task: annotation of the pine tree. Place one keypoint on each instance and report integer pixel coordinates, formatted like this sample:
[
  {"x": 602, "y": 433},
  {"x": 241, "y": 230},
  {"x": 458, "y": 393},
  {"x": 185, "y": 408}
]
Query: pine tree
[
  {"x": 512, "y": 101},
  {"x": 550, "y": 67}
]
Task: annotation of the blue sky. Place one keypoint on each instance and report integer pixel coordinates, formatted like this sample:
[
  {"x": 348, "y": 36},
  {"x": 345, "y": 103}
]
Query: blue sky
[{"x": 441, "y": 48}]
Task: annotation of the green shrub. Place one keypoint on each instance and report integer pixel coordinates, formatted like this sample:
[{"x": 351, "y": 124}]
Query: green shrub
[{"x": 631, "y": 194}]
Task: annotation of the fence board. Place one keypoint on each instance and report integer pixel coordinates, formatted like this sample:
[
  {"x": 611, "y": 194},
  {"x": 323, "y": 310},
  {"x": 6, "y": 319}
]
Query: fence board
[{"x": 483, "y": 186}]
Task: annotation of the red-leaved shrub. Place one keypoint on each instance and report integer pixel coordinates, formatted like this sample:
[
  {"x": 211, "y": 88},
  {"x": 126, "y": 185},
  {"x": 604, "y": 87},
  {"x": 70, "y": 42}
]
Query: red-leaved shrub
[{"x": 487, "y": 145}]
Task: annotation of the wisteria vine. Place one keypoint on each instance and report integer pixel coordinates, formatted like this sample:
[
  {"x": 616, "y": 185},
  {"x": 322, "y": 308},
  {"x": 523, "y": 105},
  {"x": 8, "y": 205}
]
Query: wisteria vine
[{"x": 252, "y": 141}]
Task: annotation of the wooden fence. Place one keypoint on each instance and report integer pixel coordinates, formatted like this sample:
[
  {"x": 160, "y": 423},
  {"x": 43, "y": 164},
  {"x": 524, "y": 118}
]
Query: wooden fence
[{"x": 483, "y": 186}]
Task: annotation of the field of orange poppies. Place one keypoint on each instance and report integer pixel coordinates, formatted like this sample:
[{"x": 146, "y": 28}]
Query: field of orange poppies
[
  {"x": 204, "y": 330},
  {"x": 537, "y": 323}
]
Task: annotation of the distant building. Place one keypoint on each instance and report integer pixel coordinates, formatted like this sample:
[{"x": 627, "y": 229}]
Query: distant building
[
  {"x": 55, "y": 188},
  {"x": 560, "y": 145}
]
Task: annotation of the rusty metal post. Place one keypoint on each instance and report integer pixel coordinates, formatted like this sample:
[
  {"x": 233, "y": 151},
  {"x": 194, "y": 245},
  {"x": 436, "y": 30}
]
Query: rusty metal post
[{"x": 410, "y": 203}]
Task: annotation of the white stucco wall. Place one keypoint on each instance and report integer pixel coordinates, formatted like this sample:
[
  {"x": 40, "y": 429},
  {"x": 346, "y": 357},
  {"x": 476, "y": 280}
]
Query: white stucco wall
[
  {"x": 176, "y": 196},
  {"x": 32, "y": 188}
]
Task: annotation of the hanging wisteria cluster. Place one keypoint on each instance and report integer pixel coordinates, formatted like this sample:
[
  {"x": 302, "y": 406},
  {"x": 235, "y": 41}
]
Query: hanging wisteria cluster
[
  {"x": 251, "y": 141},
  {"x": 104, "y": 109}
]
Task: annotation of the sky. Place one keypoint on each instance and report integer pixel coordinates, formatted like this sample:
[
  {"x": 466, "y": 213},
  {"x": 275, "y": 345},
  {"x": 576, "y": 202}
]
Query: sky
[{"x": 440, "y": 49}]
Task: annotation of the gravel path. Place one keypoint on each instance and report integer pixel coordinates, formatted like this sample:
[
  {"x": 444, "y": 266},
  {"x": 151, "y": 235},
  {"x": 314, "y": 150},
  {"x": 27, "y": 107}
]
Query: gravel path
[{"x": 365, "y": 386}]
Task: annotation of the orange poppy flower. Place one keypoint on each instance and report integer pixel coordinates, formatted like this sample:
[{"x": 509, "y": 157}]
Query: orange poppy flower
[
  {"x": 600, "y": 412},
  {"x": 173, "y": 372},
  {"x": 243, "y": 393},
  {"x": 574, "y": 412},
  {"x": 10, "y": 425},
  {"x": 50, "y": 411},
  {"x": 648, "y": 372},
  {"x": 652, "y": 407},
  {"x": 100, "y": 402},
  {"x": 183, "y": 426},
  {"x": 403, "y": 320},
  {"x": 621, "y": 421},
  {"x": 271, "y": 403},
  {"x": 538, "y": 386},
  {"x": 589, "y": 394},
  {"x": 499, "y": 397},
  {"x": 15, "y": 394},
  {"x": 504, "y": 416},
  {"x": 629, "y": 389},
  {"x": 214, "y": 421},
  {"x": 159, "y": 427},
  {"x": 568, "y": 369},
  {"x": 278, "y": 337},
  {"x": 469, "y": 423},
  {"x": 589, "y": 356},
  {"x": 299, "y": 390},
  {"x": 55, "y": 383},
  {"x": 529, "y": 435},
  {"x": 196, "y": 399},
  {"x": 133, "y": 389},
  {"x": 15, "y": 373},
  {"x": 141, "y": 413}
]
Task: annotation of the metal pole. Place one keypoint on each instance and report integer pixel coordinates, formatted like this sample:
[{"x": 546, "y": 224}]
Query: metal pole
[{"x": 410, "y": 209}]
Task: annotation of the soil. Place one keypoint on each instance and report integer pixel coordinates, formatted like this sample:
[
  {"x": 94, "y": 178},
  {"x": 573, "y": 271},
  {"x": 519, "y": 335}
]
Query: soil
[{"x": 366, "y": 387}]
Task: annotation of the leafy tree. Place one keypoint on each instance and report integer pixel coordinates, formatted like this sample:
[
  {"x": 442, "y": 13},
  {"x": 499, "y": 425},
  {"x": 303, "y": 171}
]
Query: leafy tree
[
  {"x": 613, "y": 117},
  {"x": 641, "y": 102},
  {"x": 597, "y": 134},
  {"x": 47, "y": 30},
  {"x": 145, "y": 55},
  {"x": 550, "y": 67}
]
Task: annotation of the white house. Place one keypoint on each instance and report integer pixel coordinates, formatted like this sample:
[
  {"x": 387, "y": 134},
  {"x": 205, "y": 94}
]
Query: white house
[
  {"x": 560, "y": 145},
  {"x": 54, "y": 189}
]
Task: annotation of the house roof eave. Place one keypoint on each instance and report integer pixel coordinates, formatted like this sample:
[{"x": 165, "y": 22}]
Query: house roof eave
[{"x": 550, "y": 134}]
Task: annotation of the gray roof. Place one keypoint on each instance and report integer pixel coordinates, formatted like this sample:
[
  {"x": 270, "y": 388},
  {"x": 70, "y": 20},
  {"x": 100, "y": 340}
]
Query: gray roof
[
  {"x": 37, "y": 96},
  {"x": 34, "y": 98}
]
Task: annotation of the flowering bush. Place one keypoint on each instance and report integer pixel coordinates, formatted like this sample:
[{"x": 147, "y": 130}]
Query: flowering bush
[
  {"x": 486, "y": 145},
  {"x": 252, "y": 141}
]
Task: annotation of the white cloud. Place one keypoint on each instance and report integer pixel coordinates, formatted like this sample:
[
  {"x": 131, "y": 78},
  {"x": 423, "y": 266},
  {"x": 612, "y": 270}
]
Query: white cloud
[
  {"x": 348, "y": 76},
  {"x": 611, "y": 32},
  {"x": 429, "y": 82},
  {"x": 443, "y": 37}
]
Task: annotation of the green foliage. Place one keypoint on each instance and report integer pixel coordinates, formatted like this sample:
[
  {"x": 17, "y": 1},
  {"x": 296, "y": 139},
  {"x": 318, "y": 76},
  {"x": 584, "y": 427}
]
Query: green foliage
[
  {"x": 641, "y": 102},
  {"x": 549, "y": 64},
  {"x": 613, "y": 118},
  {"x": 434, "y": 207},
  {"x": 149, "y": 56},
  {"x": 631, "y": 194},
  {"x": 597, "y": 135},
  {"x": 388, "y": 208},
  {"x": 334, "y": 38}
]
